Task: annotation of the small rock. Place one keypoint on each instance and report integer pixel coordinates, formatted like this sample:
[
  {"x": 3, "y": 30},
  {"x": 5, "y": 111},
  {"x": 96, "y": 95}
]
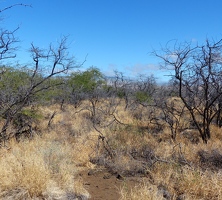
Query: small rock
[
  {"x": 107, "y": 176},
  {"x": 91, "y": 172},
  {"x": 120, "y": 177}
]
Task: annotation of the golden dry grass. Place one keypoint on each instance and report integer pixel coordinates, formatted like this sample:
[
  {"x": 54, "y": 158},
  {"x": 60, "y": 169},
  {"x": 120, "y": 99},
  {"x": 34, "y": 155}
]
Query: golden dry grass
[
  {"x": 142, "y": 191},
  {"x": 48, "y": 166},
  {"x": 42, "y": 166}
]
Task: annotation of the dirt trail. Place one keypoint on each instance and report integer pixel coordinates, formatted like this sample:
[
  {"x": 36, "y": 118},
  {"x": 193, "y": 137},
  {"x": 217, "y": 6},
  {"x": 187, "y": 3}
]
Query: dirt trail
[{"x": 103, "y": 185}]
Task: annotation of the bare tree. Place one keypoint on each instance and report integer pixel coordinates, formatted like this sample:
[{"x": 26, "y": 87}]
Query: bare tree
[
  {"x": 47, "y": 63},
  {"x": 171, "y": 113},
  {"x": 123, "y": 88},
  {"x": 197, "y": 70},
  {"x": 144, "y": 89},
  {"x": 7, "y": 37}
]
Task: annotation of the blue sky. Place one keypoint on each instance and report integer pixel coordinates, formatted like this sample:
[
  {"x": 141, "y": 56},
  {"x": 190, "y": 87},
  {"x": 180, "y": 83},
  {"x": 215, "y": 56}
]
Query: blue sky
[{"x": 115, "y": 34}]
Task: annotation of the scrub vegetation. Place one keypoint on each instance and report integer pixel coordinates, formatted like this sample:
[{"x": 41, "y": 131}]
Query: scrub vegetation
[{"x": 57, "y": 121}]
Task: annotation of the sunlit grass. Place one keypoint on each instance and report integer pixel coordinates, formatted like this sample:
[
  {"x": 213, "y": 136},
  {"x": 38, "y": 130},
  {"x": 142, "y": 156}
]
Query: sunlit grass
[
  {"x": 142, "y": 191},
  {"x": 48, "y": 166}
]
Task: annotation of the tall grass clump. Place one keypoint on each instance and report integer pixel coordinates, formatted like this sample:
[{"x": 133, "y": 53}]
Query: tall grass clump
[
  {"x": 41, "y": 167},
  {"x": 142, "y": 191}
]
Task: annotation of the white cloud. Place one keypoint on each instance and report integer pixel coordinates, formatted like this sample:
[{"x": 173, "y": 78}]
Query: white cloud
[
  {"x": 134, "y": 70},
  {"x": 140, "y": 68}
]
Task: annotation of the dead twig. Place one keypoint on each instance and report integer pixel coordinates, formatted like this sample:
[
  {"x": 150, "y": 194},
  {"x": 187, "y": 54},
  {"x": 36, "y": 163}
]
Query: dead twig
[{"x": 17, "y": 4}]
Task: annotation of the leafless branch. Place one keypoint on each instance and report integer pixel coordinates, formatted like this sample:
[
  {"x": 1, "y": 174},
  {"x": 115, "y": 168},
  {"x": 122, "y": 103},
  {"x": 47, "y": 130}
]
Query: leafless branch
[{"x": 14, "y": 5}]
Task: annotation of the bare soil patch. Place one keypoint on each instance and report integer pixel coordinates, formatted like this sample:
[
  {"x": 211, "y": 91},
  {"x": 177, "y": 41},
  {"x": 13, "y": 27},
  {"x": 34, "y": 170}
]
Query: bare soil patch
[{"x": 103, "y": 185}]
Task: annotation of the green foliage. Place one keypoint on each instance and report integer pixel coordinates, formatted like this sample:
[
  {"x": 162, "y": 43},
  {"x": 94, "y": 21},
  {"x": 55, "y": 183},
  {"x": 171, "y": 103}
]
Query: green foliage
[
  {"x": 32, "y": 113},
  {"x": 23, "y": 120},
  {"x": 142, "y": 97},
  {"x": 15, "y": 84},
  {"x": 87, "y": 81},
  {"x": 52, "y": 89},
  {"x": 13, "y": 81},
  {"x": 121, "y": 93}
]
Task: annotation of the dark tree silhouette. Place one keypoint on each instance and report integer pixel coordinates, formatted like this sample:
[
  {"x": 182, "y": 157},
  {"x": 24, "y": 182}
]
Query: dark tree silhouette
[{"x": 197, "y": 70}]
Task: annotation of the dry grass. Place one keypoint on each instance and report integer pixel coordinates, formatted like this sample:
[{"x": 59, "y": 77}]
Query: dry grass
[
  {"x": 142, "y": 191},
  {"x": 41, "y": 167},
  {"x": 191, "y": 183},
  {"x": 48, "y": 166}
]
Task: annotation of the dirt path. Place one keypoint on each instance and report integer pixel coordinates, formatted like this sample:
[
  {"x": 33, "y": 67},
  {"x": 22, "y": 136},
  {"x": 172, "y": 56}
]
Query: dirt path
[{"x": 104, "y": 186}]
